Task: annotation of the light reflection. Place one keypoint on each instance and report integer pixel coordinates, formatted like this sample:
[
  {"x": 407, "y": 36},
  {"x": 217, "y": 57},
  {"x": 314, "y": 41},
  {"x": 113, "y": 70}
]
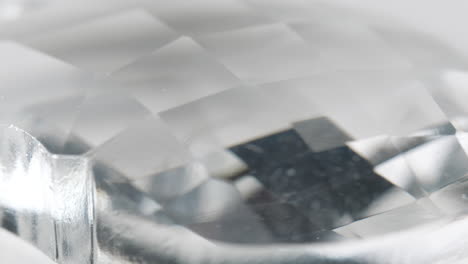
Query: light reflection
[
  {"x": 11, "y": 10},
  {"x": 26, "y": 179}
]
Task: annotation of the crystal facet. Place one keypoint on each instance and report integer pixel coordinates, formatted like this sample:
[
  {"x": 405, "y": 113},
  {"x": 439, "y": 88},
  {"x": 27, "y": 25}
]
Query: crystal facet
[{"x": 228, "y": 131}]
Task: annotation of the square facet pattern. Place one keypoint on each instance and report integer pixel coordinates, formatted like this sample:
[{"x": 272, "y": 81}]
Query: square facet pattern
[{"x": 228, "y": 131}]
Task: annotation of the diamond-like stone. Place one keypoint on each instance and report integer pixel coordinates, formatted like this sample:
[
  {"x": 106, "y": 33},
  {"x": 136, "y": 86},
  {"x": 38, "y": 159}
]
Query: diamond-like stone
[{"x": 229, "y": 131}]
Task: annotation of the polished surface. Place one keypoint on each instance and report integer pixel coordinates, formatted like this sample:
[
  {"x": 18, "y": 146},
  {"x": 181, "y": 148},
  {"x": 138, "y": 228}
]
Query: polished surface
[{"x": 232, "y": 131}]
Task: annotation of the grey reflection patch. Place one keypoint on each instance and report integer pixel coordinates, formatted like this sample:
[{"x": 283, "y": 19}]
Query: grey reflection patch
[{"x": 321, "y": 134}]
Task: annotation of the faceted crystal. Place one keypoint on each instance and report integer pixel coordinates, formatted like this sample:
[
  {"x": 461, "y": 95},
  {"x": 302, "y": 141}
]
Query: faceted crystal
[{"x": 229, "y": 131}]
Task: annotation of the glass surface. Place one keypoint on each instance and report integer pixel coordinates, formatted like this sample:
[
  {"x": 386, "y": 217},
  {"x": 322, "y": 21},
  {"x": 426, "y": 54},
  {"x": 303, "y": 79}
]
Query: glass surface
[{"x": 233, "y": 131}]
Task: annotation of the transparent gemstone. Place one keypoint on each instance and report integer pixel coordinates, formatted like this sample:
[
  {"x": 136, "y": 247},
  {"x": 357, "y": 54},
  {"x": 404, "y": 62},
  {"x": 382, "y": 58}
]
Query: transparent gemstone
[{"x": 229, "y": 132}]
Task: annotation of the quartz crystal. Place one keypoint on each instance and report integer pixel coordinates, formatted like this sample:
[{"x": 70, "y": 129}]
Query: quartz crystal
[{"x": 228, "y": 131}]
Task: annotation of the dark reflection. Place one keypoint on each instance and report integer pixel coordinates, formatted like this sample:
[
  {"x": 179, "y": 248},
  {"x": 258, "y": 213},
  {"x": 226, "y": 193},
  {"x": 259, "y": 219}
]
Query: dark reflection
[
  {"x": 289, "y": 225},
  {"x": 9, "y": 221},
  {"x": 331, "y": 188}
]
